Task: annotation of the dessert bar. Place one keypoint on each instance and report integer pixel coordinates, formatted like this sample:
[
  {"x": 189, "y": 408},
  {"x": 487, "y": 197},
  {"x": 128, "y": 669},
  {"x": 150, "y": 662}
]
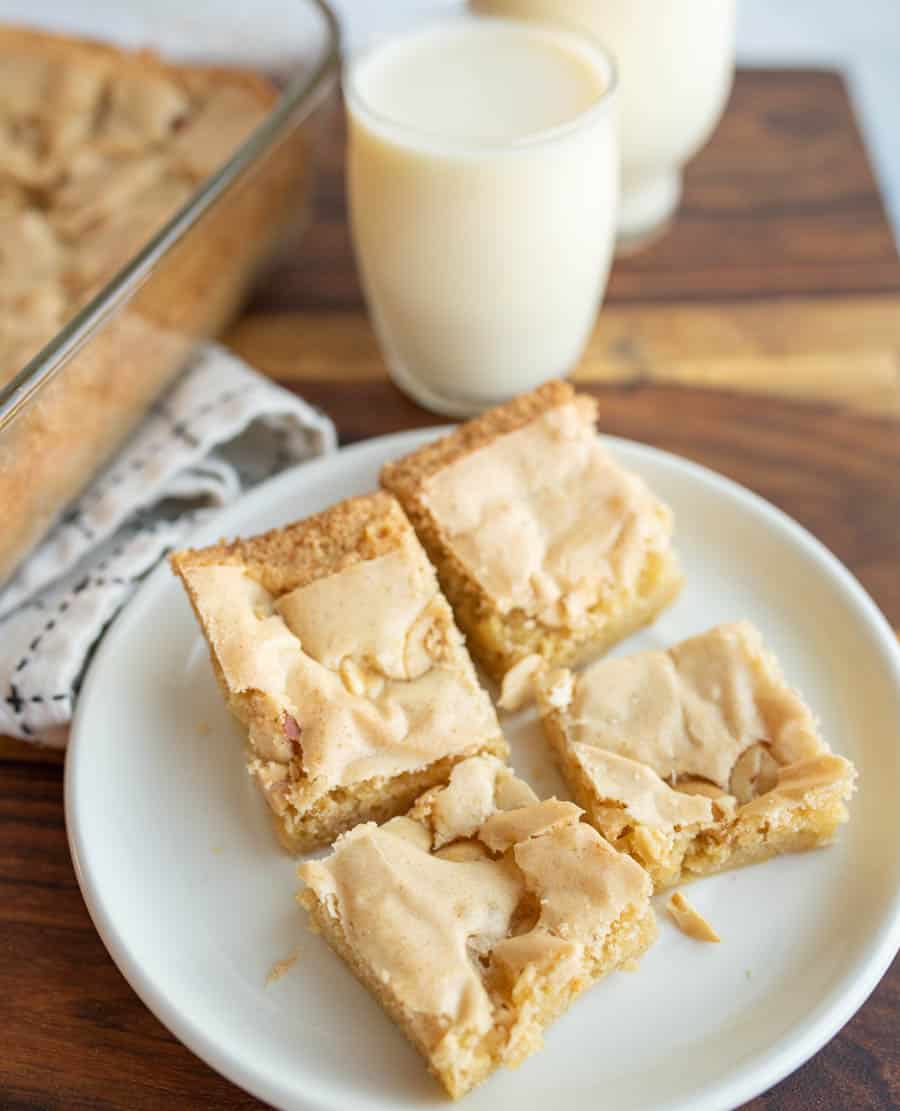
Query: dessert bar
[
  {"x": 698, "y": 758},
  {"x": 479, "y": 917},
  {"x": 336, "y": 649},
  {"x": 543, "y": 543}
]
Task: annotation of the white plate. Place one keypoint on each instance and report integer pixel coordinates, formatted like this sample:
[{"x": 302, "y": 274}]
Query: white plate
[{"x": 179, "y": 869}]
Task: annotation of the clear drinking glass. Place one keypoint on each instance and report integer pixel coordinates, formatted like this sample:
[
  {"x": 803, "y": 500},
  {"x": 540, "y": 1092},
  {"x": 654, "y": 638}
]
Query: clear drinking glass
[
  {"x": 676, "y": 63},
  {"x": 483, "y": 212}
]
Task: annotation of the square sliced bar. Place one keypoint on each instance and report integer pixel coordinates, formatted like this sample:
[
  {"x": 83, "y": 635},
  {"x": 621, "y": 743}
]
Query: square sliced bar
[
  {"x": 333, "y": 644},
  {"x": 698, "y": 758},
  {"x": 479, "y": 917},
  {"x": 544, "y": 545}
]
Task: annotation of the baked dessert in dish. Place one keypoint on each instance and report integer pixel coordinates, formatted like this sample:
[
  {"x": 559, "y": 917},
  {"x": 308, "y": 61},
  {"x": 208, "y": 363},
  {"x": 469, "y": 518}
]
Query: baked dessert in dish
[
  {"x": 98, "y": 147},
  {"x": 544, "y": 544},
  {"x": 335, "y": 647},
  {"x": 697, "y": 758},
  {"x": 478, "y": 917}
]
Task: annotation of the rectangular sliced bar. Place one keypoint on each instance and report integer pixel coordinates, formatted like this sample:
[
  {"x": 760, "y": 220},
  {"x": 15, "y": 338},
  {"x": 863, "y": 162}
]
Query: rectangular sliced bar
[
  {"x": 544, "y": 544},
  {"x": 698, "y": 758},
  {"x": 333, "y": 644},
  {"x": 479, "y": 917}
]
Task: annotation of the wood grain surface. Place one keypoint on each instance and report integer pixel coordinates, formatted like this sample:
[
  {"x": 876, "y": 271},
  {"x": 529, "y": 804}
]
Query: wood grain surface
[{"x": 761, "y": 337}]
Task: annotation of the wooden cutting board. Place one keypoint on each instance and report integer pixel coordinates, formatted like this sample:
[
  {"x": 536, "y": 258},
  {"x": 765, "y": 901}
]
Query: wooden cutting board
[
  {"x": 761, "y": 336},
  {"x": 780, "y": 276}
]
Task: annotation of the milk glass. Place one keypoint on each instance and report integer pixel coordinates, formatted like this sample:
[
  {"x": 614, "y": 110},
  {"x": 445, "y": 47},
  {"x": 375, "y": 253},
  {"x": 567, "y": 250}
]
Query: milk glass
[
  {"x": 483, "y": 186},
  {"x": 676, "y": 62}
]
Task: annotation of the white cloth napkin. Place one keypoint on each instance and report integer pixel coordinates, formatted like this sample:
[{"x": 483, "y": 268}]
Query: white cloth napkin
[{"x": 221, "y": 429}]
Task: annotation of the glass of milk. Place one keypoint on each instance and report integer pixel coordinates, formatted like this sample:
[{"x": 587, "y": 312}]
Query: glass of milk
[
  {"x": 676, "y": 62},
  {"x": 483, "y": 186}
]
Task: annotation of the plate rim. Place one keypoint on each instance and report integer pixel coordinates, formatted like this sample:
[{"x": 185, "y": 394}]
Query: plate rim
[{"x": 750, "y": 1079}]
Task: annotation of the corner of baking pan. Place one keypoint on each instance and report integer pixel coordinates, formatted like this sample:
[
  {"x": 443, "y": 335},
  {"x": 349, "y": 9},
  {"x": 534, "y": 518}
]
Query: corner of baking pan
[{"x": 297, "y": 101}]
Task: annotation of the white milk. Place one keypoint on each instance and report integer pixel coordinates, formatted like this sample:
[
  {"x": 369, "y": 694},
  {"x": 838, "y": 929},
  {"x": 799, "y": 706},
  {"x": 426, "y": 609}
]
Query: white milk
[
  {"x": 483, "y": 177},
  {"x": 675, "y": 60}
]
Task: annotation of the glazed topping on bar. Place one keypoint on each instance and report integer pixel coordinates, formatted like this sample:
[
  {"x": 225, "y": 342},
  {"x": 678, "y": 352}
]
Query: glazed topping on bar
[
  {"x": 434, "y": 926},
  {"x": 639, "y": 791},
  {"x": 471, "y": 796},
  {"x": 385, "y": 614},
  {"x": 693, "y": 711},
  {"x": 478, "y": 788},
  {"x": 415, "y": 918},
  {"x": 804, "y": 779},
  {"x": 366, "y": 666},
  {"x": 507, "y": 828},
  {"x": 545, "y": 521}
]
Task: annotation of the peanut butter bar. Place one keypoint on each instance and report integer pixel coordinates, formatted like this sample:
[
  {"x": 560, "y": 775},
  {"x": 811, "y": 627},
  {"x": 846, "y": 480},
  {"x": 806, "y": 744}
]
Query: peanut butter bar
[
  {"x": 698, "y": 758},
  {"x": 334, "y": 646},
  {"x": 543, "y": 543},
  {"x": 477, "y": 918}
]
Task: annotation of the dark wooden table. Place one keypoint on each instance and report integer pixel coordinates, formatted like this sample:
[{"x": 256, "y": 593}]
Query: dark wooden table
[{"x": 761, "y": 337}]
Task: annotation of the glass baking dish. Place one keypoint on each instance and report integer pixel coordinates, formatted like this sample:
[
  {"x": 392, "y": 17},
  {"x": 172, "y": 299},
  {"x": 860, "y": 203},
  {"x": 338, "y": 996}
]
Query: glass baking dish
[{"x": 67, "y": 411}]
